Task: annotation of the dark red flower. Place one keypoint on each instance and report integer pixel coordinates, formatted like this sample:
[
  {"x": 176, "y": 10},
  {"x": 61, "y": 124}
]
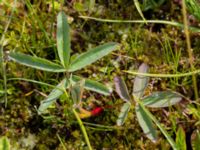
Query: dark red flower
[{"x": 97, "y": 111}]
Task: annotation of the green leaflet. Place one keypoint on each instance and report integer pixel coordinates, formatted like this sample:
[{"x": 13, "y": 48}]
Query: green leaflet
[
  {"x": 123, "y": 113},
  {"x": 162, "y": 99},
  {"x": 140, "y": 82},
  {"x": 63, "y": 39},
  {"x": 77, "y": 92},
  {"x": 146, "y": 123},
  {"x": 91, "y": 56},
  {"x": 36, "y": 62},
  {"x": 121, "y": 89},
  {"x": 53, "y": 96},
  {"x": 93, "y": 85}
]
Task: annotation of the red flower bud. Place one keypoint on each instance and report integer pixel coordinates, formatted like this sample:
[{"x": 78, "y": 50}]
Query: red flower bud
[{"x": 97, "y": 111}]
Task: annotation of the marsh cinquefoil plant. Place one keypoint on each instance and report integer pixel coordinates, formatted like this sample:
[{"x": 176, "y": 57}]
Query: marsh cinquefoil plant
[
  {"x": 155, "y": 100},
  {"x": 66, "y": 64}
]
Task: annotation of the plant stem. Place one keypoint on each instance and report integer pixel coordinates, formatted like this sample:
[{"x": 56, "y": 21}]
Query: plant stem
[
  {"x": 164, "y": 75},
  {"x": 83, "y": 129},
  {"x": 187, "y": 34},
  {"x": 194, "y": 29}
]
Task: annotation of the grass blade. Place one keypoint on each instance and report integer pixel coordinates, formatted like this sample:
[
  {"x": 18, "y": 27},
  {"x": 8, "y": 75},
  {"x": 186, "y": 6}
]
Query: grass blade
[
  {"x": 162, "y": 99},
  {"x": 123, "y": 113},
  {"x": 36, "y": 62},
  {"x": 194, "y": 8},
  {"x": 137, "y": 5},
  {"x": 146, "y": 123},
  {"x": 36, "y": 19},
  {"x": 61, "y": 142},
  {"x": 63, "y": 39},
  {"x": 140, "y": 82},
  {"x": 93, "y": 86},
  {"x": 92, "y": 55},
  {"x": 51, "y": 98},
  {"x": 121, "y": 89}
]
